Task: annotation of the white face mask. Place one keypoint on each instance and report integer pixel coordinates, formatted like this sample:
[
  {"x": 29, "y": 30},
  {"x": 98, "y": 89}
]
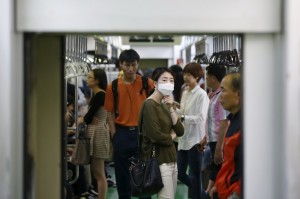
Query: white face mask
[{"x": 165, "y": 89}]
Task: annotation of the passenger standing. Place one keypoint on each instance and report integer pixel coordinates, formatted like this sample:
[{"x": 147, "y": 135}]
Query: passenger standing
[
  {"x": 160, "y": 125},
  {"x": 177, "y": 70},
  {"x": 193, "y": 110},
  {"x": 96, "y": 119},
  {"x": 123, "y": 117},
  {"x": 228, "y": 181},
  {"x": 217, "y": 123}
]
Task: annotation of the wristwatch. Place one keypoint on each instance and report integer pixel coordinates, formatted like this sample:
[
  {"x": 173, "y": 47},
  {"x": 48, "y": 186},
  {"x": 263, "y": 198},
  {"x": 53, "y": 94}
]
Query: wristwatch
[{"x": 182, "y": 118}]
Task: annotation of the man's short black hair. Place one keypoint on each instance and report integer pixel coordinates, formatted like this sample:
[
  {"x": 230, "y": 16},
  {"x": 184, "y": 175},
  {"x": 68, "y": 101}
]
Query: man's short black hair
[
  {"x": 219, "y": 71},
  {"x": 129, "y": 55}
]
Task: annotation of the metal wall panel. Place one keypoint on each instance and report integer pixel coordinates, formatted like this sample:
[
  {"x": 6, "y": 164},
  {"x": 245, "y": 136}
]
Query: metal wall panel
[{"x": 191, "y": 16}]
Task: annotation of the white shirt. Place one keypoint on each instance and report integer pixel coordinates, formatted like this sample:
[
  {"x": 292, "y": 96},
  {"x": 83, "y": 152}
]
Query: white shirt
[{"x": 194, "y": 106}]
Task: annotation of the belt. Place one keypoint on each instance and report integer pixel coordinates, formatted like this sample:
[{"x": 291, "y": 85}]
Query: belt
[{"x": 130, "y": 128}]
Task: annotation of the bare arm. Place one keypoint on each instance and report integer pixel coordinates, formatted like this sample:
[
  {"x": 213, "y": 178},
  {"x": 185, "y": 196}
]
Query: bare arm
[
  {"x": 218, "y": 157},
  {"x": 111, "y": 123}
]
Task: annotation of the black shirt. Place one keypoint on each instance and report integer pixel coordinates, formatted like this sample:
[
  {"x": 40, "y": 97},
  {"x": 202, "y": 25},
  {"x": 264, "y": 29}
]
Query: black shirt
[{"x": 96, "y": 102}]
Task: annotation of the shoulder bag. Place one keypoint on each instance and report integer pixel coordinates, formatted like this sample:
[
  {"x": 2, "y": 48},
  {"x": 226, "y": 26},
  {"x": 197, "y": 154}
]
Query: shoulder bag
[{"x": 81, "y": 153}]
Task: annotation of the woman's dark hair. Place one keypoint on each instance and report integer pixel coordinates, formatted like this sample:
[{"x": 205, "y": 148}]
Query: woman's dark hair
[
  {"x": 178, "y": 81},
  {"x": 160, "y": 70},
  {"x": 100, "y": 75},
  {"x": 219, "y": 71},
  {"x": 194, "y": 69},
  {"x": 70, "y": 99}
]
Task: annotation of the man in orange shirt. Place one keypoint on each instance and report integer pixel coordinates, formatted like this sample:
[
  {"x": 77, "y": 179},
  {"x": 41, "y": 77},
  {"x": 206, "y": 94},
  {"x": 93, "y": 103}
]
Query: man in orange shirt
[{"x": 123, "y": 117}]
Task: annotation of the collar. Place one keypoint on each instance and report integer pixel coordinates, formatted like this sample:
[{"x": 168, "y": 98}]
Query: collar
[
  {"x": 195, "y": 89},
  {"x": 217, "y": 91},
  {"x": 232, "y": 117},
  {"x": 213, "y": 93}
]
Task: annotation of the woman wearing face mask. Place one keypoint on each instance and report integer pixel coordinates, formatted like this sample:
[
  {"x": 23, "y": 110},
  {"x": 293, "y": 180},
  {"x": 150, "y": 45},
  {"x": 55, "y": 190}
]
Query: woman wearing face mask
[
  {"x": 160, "y": 125},
  {"x": 194, "y": 106}
]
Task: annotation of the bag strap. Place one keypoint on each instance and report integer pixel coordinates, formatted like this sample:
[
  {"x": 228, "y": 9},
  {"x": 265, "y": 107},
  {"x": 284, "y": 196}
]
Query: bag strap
[
  {"x": 145, "y": 87},
  {"x": 115, "y": 93},
  {"x": 140, "y": 135}
]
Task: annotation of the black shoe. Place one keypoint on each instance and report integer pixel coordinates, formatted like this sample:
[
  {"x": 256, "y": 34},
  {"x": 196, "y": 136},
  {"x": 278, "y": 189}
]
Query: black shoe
[{"x": 110, "y": 183}]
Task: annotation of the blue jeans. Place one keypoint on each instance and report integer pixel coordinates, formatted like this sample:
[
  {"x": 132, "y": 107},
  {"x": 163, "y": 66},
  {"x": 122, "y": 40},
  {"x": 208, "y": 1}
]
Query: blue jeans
[
  {"x": 193, "y": 159},
  {"x": 125, "y": 146}
]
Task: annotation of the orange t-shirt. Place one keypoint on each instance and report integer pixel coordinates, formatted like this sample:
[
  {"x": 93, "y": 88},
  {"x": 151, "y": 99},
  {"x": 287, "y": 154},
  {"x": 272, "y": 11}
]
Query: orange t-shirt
[{"x": 129, "y": 100}]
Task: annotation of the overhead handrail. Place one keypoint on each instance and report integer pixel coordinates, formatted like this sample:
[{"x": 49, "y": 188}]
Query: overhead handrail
[
  {"x": 229, "y": 58},
  {"x": 75, "y": 66}
]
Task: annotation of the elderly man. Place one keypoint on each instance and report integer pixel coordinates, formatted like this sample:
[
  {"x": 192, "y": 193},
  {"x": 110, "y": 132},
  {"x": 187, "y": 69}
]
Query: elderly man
[{"x": 228, "y": 181}]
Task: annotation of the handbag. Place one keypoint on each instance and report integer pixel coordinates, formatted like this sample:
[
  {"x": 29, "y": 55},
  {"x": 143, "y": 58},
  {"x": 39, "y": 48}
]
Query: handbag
[
  {"x": 81, "y": 153},
  {"x": 145, "y": 176}
]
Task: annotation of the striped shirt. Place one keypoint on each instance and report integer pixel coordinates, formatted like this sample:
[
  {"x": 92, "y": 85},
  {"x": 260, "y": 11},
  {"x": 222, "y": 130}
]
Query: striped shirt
[{"x": 216, "y": 114}]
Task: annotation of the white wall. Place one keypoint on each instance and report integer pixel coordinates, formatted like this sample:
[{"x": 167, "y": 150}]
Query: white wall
[
  {"x": 291, "y": 108},
  {"x": 177, "y": 55},
  {"x": 153, "y": 16},
  {"x": 11, "y": 105},
  {"x": 91, "y": 43},
  {"x": 263, "y": 132},
  {"x": 156, "y": 52},
  {"x": 209, "y": 46},
  {"x": 150, "y": 52}
]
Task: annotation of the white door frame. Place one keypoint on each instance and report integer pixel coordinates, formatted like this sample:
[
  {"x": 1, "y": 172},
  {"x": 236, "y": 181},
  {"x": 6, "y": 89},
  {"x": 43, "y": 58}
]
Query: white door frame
[{"x": 271, "y": 75}]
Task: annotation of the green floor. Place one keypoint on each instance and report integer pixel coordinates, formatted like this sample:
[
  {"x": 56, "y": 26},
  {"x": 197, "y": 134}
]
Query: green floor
[{"x": 181, "y": 192}]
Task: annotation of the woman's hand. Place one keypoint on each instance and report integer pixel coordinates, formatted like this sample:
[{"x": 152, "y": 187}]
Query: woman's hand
[
  {"x": 169, "y": 100},
  {"x": 202, "y": 144},
  {"x": 173, "y": 134}
]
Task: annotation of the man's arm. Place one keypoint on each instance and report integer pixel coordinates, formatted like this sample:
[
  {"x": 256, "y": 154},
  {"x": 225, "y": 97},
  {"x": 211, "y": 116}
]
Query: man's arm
[
  {"x": 111, "y": 123},
  {"x": 218, "y": 157}
]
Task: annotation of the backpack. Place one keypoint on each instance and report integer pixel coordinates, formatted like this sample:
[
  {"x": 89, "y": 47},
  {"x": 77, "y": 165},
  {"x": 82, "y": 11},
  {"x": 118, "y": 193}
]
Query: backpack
[{"x": 115, "y": 91}]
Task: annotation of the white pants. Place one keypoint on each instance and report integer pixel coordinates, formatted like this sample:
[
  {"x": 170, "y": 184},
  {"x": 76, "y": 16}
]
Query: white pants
[{"x": 169, "y": 175}]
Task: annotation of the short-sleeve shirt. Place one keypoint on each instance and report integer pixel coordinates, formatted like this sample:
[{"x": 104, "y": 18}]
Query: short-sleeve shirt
[
  {"x": 216, "y": 114},
  {"x": 96, "y": 102},
  {"x": 130, "y": 99}
]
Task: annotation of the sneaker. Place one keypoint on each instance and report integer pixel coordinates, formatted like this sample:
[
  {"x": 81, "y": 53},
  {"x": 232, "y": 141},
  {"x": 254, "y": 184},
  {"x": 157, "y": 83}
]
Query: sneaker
[
  {"x": 93, "y": 192},
  {"x": 92, "y": 197},
  {"x": 110, "y": 183},
  {"x": 84, "y": 195}
]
